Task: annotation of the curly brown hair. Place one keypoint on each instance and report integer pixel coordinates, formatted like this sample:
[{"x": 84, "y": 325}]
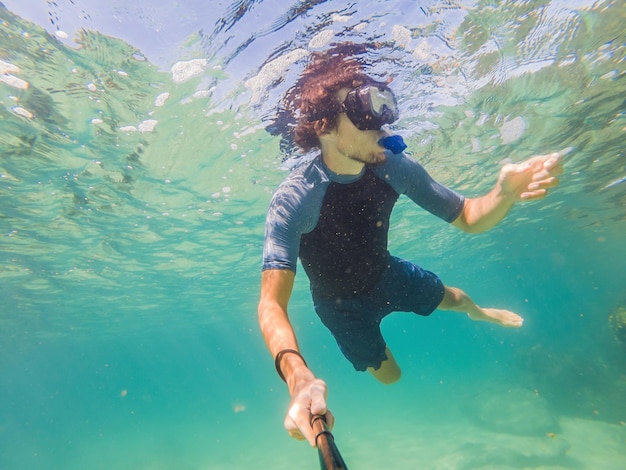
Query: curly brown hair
[{"x": 312, "y": 99}]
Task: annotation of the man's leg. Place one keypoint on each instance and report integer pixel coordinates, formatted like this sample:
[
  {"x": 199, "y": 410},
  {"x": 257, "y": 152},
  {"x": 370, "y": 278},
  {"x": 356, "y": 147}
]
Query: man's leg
[
  {"x": 388, "y": 372},
  {"x": 456, "y": 300}
]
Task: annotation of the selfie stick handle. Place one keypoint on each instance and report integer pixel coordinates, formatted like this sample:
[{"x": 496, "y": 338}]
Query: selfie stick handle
[{"x": 330, "y": 457}]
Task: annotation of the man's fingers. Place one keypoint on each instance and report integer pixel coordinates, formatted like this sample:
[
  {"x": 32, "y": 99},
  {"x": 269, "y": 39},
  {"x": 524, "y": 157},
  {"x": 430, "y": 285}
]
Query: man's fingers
[
  {"x": 298, "y": 425},
  {"x": 318, "y": 399},
  {"x": 309, "y": 400},
  {"x": 544, "y": 184},
  {"x": 515, "y": 168},
  {"x": 292, "y": 429},
  {"x": 553, "y": 165},
  {"x": 330, "y": 420},
  {"x": 529, "y": 195},
  {"x": 300, "y": 417},
  {"x": 549, "y": 163},
  {"x": 544, "y": 177},
  {"x": 553, "y": 161},
  {"x": 541, "y": 175}
]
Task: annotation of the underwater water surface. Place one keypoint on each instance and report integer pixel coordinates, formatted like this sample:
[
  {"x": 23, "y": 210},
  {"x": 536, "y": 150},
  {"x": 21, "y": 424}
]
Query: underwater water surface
[{"x": 135, "y": 172}]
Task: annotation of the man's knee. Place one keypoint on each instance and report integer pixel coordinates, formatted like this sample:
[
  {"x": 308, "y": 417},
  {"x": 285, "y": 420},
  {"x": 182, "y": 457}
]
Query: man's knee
[
  {"x": 389, "y": 377},
  {"x": 388, "y": 372},
  {"x": 453, "y": 299}
]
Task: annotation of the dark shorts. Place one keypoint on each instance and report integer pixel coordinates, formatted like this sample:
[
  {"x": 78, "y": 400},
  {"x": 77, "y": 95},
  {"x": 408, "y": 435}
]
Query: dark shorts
[{"x": 355, "y": 322}]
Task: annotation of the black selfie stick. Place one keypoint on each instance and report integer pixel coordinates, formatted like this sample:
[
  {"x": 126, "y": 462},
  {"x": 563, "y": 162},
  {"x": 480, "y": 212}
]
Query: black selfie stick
[{"x": 330, "y": 458}]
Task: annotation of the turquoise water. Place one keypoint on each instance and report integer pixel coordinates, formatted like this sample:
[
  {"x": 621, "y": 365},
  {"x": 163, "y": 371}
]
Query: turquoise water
[{"x": 135, "y": 171}]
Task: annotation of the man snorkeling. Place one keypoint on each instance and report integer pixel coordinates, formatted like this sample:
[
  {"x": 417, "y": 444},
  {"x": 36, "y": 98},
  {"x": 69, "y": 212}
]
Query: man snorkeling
[{"x": 333, "y": 213}]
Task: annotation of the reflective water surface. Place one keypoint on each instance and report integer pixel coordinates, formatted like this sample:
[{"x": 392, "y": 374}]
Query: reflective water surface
[{"x": 135, "y": 171}]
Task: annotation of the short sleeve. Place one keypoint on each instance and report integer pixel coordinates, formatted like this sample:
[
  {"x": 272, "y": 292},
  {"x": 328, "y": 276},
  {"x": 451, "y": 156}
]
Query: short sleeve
[
  {"x": 408, "y": 177},
  {"x": 282, "y": 235},
  {"x": 294, "y": 210}
]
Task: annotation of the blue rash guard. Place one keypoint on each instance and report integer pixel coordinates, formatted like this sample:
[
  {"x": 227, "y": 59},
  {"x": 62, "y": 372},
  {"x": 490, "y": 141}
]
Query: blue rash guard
[{"x": 338, "y": 224}]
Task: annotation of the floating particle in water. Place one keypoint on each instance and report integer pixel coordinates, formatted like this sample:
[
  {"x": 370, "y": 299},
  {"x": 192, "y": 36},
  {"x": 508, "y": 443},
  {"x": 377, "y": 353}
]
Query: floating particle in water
[
  {"x": 617, "y": 322},
  {"x": 321, "y": 39},
  {"x": 423, "y": 51},
  {"x": 148, "y": 125},
  {"x": 337, "y": 18},
  {"x": 401, "y": 35},
  {"x": 610, "y": 75},
  {"x": 6, "y": 67},
  {"x": 482, "y": 120},
  {"x": 61, "y": 34},
  {"x": 138, "y": 56},
  {"x": 185, "y": 70},
  {"x": 202, "y": 94},
  {"x": 22, "y": 112},
  {"x": 476, "y": 147},
  {"x": 512, "y": 130},
  {"x": 14, "y": 81},
  {"x": 273, "y": 71},
  {"x": 239, "y": 408},
  {"x": 614, "y": 183},
  {"x": 161, "y": 99}
]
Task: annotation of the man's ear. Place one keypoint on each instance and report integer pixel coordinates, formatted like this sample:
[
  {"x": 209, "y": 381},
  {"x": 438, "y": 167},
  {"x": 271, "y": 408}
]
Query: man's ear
[
  {"x": 322, "y": 127},
  {"x": 319, "y": 127}
]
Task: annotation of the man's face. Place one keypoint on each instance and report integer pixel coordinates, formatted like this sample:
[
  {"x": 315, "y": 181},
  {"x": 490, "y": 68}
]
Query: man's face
[
  {"x": 358, "y": 145},
  {"x": 371, "y": 106}
]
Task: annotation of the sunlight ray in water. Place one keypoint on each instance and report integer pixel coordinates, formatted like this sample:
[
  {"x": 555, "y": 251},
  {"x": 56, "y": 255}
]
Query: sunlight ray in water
[{"x": 139, "y": 149}]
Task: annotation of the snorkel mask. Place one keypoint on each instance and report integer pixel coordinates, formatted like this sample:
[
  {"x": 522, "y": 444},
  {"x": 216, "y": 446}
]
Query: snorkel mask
[{"x": 371, "y": 106}]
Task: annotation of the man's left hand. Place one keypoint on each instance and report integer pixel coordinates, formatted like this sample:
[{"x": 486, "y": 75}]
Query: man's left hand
[{"x": 531, "y": 179}]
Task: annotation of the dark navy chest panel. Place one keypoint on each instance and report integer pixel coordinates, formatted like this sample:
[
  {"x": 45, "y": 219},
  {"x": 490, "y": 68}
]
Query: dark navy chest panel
[{"x": 347, "y": 250}]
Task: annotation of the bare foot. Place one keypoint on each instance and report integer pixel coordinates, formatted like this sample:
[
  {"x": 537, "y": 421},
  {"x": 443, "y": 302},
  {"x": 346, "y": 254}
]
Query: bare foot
[{"x": 504, "y": 318}]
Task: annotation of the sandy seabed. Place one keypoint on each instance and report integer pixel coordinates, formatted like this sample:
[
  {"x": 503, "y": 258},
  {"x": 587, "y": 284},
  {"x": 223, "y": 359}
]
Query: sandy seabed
[{"x": 580, "y": 444}]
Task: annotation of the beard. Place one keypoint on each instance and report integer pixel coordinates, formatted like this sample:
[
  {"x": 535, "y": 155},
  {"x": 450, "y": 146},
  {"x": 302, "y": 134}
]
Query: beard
[{"x": 373, "y": 158}]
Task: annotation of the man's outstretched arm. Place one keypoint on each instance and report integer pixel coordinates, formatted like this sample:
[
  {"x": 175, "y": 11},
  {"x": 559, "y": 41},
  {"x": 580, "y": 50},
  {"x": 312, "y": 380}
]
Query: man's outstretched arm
[
  {"x": 525, "y": 181},
  {"x": 308, "y": 394}
]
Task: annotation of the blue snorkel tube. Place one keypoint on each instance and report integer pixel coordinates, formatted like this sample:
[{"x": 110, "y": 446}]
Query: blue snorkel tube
[{"x": 393, "y": 143}]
